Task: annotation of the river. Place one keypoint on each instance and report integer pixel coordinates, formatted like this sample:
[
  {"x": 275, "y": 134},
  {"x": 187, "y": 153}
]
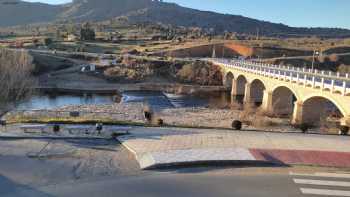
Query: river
[{"x": 155, "y": 99}]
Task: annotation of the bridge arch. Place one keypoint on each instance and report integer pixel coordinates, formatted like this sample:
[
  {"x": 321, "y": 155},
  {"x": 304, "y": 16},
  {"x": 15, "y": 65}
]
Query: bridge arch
[
  {"x": 241, "y": 83},
  {"x": 228, "y": 79},
  {"x": 283, "y": 100},
  {"x": 317, "y": 109},
  {"x": 255, "y": 93}
]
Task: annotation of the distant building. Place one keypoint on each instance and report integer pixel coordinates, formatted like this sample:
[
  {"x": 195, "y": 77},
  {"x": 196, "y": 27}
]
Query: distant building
[{"x": 71, "y": 38}]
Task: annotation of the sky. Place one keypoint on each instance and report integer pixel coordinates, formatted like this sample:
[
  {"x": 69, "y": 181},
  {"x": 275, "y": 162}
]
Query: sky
[{"x": 296, "y": 13}]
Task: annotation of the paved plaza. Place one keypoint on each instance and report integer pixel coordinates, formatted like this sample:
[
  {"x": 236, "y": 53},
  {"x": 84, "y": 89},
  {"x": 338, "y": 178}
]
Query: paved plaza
[{"x": 166, "y": 146}]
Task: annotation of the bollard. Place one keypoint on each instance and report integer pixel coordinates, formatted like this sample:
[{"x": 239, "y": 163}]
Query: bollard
[
  {"x": 99, "y": 128},
  {"x": 344, "y": 130},
  {"x": 344, "y": 88},
  {"x": 3, "y": 122},
  {"x": 56, "y": 128}
]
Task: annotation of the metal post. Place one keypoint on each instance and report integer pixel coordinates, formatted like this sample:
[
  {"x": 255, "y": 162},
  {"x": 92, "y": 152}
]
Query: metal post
[
  {"x": 298, "y": 76},
  {"x": 322, "y": 82},
  {"x": 279, "y": 74},
  {"x": 285, "y": 76}
]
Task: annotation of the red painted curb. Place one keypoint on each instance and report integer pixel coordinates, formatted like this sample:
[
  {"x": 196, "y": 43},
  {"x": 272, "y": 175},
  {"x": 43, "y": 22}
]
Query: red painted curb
[{"x": 321, "y": 158}]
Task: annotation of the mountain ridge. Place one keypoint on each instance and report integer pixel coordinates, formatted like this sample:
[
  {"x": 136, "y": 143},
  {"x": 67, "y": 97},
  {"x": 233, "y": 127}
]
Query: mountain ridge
[{"x": 155, "y": 11}]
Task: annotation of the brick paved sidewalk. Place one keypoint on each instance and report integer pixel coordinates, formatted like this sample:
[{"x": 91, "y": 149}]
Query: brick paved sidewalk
[{"x": 169, "y": 145}]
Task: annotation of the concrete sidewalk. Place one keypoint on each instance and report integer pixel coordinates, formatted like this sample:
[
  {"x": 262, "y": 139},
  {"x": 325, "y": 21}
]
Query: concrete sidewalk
[{"x": 157, "y": 146}]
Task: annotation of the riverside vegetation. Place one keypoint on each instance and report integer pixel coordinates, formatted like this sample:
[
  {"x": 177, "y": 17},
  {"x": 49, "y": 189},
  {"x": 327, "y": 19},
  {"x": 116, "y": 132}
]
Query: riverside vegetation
[{"x": 16, "y": 80}]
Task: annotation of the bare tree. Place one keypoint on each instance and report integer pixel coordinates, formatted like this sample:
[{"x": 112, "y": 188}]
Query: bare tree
[{"x": 16, "y": 81}]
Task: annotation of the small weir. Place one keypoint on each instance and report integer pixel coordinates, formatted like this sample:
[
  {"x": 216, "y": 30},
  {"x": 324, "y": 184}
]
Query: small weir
[{"x": 156, "y": 99}]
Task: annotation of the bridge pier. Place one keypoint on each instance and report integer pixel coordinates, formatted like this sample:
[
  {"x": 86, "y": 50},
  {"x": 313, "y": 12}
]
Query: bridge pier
[
  {"x": 345, "y": 121},
  {"x": 234, "y": 88},
  {"x": 298, "y": 113},
  {"x": 247, "y": 95},
  {"x": 267, "y": 104},
  {"x": 301, "y": 109},
  {"x": 237, "y": 91}
]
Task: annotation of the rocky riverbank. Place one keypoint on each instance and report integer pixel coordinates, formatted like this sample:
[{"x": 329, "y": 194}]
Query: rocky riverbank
[
  {"x": 199, "y": 117},
  {"x": 109, "y": 113},
  {"x": 132, "y": 113}
]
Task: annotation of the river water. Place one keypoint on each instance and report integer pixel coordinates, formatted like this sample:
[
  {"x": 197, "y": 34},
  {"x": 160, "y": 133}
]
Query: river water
[{"x": 155, "y": 99}]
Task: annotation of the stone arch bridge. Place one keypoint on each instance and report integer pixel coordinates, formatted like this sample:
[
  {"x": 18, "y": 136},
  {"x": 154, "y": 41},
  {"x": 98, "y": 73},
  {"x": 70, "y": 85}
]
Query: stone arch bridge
[{"x": 306, "y": 95}]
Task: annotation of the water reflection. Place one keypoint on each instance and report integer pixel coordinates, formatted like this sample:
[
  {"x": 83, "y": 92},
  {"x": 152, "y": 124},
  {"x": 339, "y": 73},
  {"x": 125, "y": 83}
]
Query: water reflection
[
  {"x": 50, "y": 101},
  {"x": 155, "y": 99}
]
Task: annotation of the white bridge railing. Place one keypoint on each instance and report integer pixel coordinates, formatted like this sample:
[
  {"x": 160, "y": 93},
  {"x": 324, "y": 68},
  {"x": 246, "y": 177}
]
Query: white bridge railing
[{"x": 325, "y": 81}]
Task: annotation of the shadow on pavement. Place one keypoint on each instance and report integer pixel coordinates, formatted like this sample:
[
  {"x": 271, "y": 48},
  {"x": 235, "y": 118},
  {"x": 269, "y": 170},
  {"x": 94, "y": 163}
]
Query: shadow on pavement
[
  {"x": 11, "y": 188},
  {"x": 199, "y": 167},
  {"x": 96, "y": 144}
]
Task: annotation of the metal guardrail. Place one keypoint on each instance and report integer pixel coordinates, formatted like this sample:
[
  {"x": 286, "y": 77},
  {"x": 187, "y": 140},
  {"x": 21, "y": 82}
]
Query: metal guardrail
[{"x": 334, "y": 82}]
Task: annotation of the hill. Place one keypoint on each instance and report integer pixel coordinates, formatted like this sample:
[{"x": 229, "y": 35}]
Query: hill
[{"x": 17, "y": 12}]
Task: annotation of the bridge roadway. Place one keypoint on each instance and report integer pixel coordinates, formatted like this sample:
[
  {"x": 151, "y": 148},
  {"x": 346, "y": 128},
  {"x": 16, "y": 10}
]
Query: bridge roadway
[{"x": 307, "y": 95}]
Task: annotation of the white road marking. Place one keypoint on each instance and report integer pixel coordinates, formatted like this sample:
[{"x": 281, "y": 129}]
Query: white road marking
[
  {"x": 325, "y": 192},
  {"x": 322, "y": 182},
  {"x": 329, "y": 175},
  {"x": 335, "y": 175}
]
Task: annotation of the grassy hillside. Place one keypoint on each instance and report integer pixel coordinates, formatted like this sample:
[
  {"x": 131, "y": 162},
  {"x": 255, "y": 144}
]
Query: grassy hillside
[{"x": 149, "y": 11}]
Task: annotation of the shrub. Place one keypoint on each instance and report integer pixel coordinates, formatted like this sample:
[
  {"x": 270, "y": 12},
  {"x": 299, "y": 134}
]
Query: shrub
[
  {"x": 160, "y": 122},
  {"x": 16, "y": 68},
  {"x": 344, "y": 68},
  {"x": 114, "y": 135},
  {"x": 48, "y": 41},
  {"x": 344, "y": 130},
  {"x": 237, "y": 125},
  {"x": 248, "y": 113},
  {"x": 200, "y": 73},
  {"x": 3, "y": 122},
  {"x": 263, "y": 121},
  {"x": 321, "y": 59},
  {"x": 333, "y": 58},
  {"x": 87, "y": 33},
  {"x": 235, "y": 106},
  {"x": 304, "y": 127},
  {"x": 56, "y": 128}
]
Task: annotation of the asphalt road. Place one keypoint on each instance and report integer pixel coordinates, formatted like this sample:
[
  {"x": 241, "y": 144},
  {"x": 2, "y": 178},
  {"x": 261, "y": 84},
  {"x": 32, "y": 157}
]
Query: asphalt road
[
  {"x": 104, "y": 168},
  {"x": 171, "y": 185}
]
